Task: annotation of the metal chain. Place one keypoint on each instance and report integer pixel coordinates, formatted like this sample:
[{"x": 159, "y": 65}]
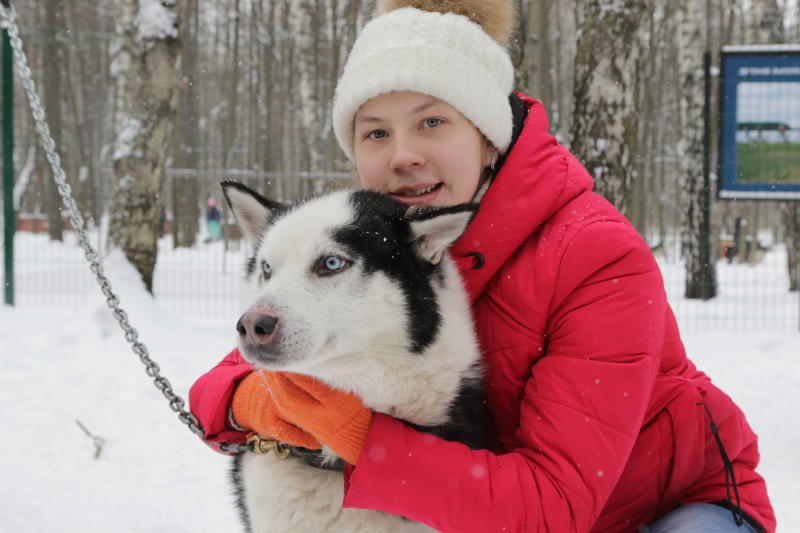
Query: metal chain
[{"x": 176, "y": 403}]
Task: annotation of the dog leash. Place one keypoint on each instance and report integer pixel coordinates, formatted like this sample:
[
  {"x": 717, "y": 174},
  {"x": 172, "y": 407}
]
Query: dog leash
[
  {"x": 254, "y": 443},
  {"x": 176, "y": 403}
]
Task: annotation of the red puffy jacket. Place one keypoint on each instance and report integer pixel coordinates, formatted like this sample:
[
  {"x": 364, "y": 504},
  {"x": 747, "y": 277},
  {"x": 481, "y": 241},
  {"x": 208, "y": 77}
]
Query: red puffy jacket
[{"x": 602, "y": 423}]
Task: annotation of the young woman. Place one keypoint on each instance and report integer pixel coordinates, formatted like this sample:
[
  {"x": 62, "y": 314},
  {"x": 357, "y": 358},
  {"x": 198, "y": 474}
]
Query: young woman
[{"x": 601, "y": 423}]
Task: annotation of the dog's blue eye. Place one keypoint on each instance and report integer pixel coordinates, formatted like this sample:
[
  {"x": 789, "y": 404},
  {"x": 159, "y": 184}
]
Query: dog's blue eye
[
  {"x": 333, "y": 263},
  {"x": 330, "y": 265},
  {"x": 267, "y": 269}
]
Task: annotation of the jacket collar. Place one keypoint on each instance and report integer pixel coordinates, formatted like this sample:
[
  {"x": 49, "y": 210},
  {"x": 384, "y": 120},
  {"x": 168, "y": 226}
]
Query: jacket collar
[{"x": 537, "y": 177}]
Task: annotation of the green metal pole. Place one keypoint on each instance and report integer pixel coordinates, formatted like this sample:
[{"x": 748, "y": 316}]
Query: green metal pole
[{"x": 8, "y": 170}]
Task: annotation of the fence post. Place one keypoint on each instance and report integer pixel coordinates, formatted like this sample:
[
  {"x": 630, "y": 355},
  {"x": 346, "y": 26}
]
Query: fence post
[{"x": 8, "y": 169}]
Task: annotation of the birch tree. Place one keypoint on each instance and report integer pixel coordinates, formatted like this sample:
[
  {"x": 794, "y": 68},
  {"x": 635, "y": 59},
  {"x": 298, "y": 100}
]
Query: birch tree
[
  {"x": 765, "y": 22},
  {"x": 531, "y": 51},
  {"x": 700, "y": 270},
  {"x": 790, "y": 216},
  {"x": 53, "y": 98},
  {"x": 605, "y": 108},
  {"x": 185, "y": 214},
  {"x": 85, "y": 93},
  {"x": 302, "y": 23},
  {"x": 647, "y": 212},
  {"x": 230, "y": 120},
  {"x": 145, "y": 67},
  {"x": 564, "y": 31}
]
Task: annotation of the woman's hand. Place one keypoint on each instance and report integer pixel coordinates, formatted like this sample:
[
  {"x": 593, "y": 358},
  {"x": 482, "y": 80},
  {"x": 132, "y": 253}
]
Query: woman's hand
[
  {"x": 254, "y": 409},
  {"x": 333, "y": 417}
]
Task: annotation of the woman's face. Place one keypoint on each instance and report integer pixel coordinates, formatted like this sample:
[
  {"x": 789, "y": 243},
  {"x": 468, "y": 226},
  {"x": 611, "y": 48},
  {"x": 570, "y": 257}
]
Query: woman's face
[{"x": 418, "y": 150}]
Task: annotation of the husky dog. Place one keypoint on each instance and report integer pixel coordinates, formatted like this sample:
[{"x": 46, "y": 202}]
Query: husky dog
[{"x": 357, "y": 290}]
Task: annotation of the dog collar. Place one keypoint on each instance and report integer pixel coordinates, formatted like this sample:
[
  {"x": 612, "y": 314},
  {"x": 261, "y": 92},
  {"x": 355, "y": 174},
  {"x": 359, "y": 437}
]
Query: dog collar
[{"x": 282, "y": 450}]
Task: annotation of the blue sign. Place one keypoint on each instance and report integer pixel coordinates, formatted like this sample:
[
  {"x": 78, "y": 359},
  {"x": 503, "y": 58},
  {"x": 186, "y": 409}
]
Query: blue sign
[{"x": 760, "y": 123}]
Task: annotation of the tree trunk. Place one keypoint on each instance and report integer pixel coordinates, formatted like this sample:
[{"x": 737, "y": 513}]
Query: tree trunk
[
  {"x": 268, "y": 53},
  {"x": 566, "y": 27},
  {"x": 531, "y": 51},
  {"x": 145, "y": 68},
  {"x": 765, "y": 22},
  {"x": 302, "y": 24},
  {"x": 53, "y": 98},
  {"x": 790, "y": 216},
  {"x": 230, "y": 123},
  {"x": 605, "y": 109},
  {"x": 700, "y": 269},
  {"x": 81, "y": 129},
  {"x": 185, "y": 197}
]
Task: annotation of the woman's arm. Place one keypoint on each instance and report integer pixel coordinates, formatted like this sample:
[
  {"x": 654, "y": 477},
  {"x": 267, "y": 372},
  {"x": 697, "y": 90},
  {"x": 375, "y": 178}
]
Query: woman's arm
[
  {"x": 210, "y": 398},
  {"x": 580, "y": 414}
]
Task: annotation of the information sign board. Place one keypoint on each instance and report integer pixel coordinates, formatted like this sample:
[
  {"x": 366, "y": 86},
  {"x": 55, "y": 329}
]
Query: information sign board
[{"x": 759, "y": 141}]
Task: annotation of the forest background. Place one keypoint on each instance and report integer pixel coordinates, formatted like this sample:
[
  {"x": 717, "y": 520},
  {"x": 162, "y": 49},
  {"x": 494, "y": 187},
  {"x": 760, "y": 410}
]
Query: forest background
[{"x": 152, "y": 102}]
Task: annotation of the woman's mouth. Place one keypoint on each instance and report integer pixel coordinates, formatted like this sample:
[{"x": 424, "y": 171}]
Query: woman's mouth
[{"x": 416, "y": 194}]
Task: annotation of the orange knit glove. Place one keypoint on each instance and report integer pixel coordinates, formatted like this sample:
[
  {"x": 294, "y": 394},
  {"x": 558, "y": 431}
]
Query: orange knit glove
[
  {"x": 254, "y": 409},
  {"x": 335, "y": 418}
]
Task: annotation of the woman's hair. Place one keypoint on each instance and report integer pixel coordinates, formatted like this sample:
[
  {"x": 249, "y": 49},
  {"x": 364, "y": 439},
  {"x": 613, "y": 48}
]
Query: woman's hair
[{"x": 447, "y": 49}]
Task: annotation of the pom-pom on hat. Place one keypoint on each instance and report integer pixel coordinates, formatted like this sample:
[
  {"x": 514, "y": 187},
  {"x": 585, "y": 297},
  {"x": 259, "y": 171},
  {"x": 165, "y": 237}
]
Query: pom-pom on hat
[{"x": 450, "y": 49}]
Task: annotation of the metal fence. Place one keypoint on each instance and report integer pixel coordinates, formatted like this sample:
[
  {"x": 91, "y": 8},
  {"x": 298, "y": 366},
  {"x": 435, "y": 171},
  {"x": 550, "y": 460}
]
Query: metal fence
[
  {"x": 752, "y": 292},
  {"x": 198, "y": 282},
  {"x": 202, "y": 282}
]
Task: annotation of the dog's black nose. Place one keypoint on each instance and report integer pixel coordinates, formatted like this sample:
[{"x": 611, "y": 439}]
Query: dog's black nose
[
  {"x": 257, "y": 325},
  {"x": 265, "y": 325}
]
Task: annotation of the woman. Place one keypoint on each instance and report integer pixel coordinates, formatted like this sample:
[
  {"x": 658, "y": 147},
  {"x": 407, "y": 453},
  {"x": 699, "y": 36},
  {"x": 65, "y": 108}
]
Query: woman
[{"x": 601, "y": 422}]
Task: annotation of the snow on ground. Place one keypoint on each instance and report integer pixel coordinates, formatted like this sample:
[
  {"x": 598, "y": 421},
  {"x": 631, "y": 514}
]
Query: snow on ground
[{"x": 61, "y": 365}]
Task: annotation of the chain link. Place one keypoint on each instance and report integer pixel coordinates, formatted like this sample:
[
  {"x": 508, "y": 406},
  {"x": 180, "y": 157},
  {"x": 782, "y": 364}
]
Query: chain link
[{"x": 176, "y": 403}]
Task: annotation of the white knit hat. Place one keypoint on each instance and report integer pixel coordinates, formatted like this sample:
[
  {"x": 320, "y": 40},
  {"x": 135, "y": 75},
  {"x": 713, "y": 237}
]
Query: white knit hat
[{"x": 444, "y": 55}]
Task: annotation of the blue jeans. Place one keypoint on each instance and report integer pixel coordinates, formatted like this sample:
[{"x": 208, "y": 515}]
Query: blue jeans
[{"x": 697, "y": 518}]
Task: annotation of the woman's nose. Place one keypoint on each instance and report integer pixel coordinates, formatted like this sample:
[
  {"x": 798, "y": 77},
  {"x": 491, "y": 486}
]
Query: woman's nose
[{"x": 406, "y": 155}]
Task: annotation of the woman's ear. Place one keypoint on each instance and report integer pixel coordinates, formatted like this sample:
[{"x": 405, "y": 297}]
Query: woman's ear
[{"x": 490, "y": 153}]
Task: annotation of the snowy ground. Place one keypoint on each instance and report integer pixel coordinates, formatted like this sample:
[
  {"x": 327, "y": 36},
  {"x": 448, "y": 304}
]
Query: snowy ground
[{"x": 61, "y": 365}]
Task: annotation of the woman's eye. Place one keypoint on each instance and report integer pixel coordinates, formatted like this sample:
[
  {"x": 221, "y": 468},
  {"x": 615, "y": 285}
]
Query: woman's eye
[
  {"x": 266, "y": 269},
  {"x": 330, "y": 265},
  {"x": 432, "y": 122},
  {"x": 376, "y": 134}
]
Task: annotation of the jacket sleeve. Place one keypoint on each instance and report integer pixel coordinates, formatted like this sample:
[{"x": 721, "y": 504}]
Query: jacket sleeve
[
  {"x": 580, "y": 414},
  {"x": 210, "y": 398}
]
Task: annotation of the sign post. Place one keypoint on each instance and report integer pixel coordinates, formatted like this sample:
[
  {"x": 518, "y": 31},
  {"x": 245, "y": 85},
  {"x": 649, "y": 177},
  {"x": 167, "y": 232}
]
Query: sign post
[{"x": 8, "y": 169}]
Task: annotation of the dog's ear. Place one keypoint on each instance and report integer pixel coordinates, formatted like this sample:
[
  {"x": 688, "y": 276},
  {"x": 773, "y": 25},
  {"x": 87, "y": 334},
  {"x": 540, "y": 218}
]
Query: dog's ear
[
  {"x": 251, "y": 210},
  {"x": 434, "y": 229}
]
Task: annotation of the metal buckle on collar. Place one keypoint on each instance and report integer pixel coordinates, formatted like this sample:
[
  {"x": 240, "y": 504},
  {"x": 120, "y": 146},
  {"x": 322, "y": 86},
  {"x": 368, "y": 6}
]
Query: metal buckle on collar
[{"x": 260, "y": 446}]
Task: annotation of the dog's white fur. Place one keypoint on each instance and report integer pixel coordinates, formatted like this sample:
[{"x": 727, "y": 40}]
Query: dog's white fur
[{"x": 349, "y": 330}]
